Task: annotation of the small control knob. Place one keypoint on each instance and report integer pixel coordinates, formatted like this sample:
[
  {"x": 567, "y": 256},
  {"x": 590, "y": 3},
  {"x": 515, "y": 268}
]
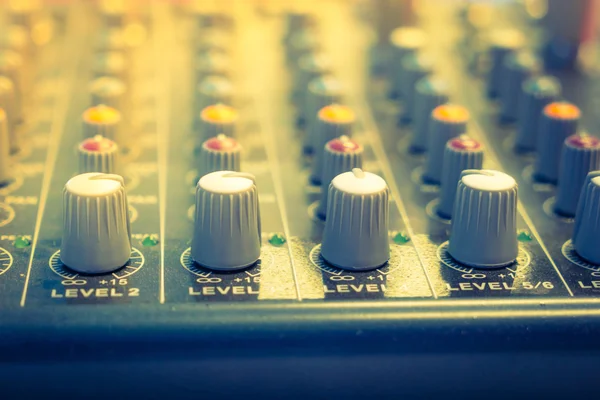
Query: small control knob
[
  {"x": 111, "y": 92},
  {"x": 214, "y": 89},
  {"x": 518, "y": 67},
  {"x": 105, "y": 121},
  {"x": 341, "y": 155},
  {"x": 227, "y": 222},
  {"x": 587, "y": 220},
  {"x": 537, "y": 92},
  {"x": 220, "y": 153},
  {"x": 502, "y": 42},
  {"x": 306, "y": 41},
  {"x": 216, "y": 119},
  {"x": 580, "y": 155},
  {"x": 209, "y": 19},
  {"x": 461, "y": 153},
  {"x": 17, "y": 38},
  {"x": 321, "y": 92},
  {"x": 414, "y": 67},
  {"x": 559, "y": 121},
  {"x": 213, "y": 39},
  {"x": 111, "y": 63},
  {"x": 6, "y": 168},
  {"x": 12, "y": 66},
  {"x": 356, "y": 230},
  {"x": 111, "y": 39},
  {"x": 447, "y": 121},
  {"x": 310, "y": 66},
  {"x": 96, "y": 233},
  {"x": 212, "y": 62},
  {"x": 332, "y": 121},
  {"x": 11, "y": 107},
  {"x": 25, "y": 12},
  {"x": 98, "y": 154},
  {"x": 430, "y": 92},
  {"x": 296, "y": 21},
  {"x": 404, "y": 41},
  {"x": 484, "y": 220},
  {"x": 114, "y": 14}
]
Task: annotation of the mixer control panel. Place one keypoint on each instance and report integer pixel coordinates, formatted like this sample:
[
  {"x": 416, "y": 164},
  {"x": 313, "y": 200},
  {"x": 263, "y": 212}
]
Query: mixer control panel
[{"x": 262, "y": 155}]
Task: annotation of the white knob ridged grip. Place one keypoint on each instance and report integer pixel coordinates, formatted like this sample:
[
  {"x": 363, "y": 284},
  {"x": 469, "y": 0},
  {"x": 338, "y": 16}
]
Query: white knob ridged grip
[
  {"x": 586, "y": 235},
  {"x": 356, "y": 230},
  {"x": 484, "y": 221},
  {"x": 227, "y": 221},
  {"x": 96, "y": 231}
]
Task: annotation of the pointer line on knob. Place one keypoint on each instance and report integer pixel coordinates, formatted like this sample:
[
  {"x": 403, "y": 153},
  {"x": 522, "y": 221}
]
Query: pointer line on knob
[
  {"x": 112, "y": 177},
  {"x": 241, "y": 175}
]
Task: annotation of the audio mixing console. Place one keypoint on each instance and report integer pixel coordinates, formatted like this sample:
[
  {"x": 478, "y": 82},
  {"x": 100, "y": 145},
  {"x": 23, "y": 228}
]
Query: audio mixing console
[{"x": 241, "y": 197}]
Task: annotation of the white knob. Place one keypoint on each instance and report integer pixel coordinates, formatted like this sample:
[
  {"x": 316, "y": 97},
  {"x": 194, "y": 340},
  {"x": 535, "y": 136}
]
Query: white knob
[
  {"x": 484, "y": 220},
  {"x": 227, "y": 222},
  {"x": 356, "y": 229},
  {"x": 96, "y": 233}
]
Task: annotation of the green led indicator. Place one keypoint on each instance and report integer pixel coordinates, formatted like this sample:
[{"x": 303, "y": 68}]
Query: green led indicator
[
  {"x": 21, "y": 242},
  {"x": 149, "y": 241},
  {"x": 277, "y": 239},
  {"x": 524, "y": 236},
  {"x": 401, "y": 238}
]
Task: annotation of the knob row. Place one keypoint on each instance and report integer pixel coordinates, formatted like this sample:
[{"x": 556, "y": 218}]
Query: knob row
[
  {"x": 97, "y": 237},
  {"x": 546, "y": 124},
  {"x": 227, "y": 236},
  {"x": 18, "y": 46}
]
